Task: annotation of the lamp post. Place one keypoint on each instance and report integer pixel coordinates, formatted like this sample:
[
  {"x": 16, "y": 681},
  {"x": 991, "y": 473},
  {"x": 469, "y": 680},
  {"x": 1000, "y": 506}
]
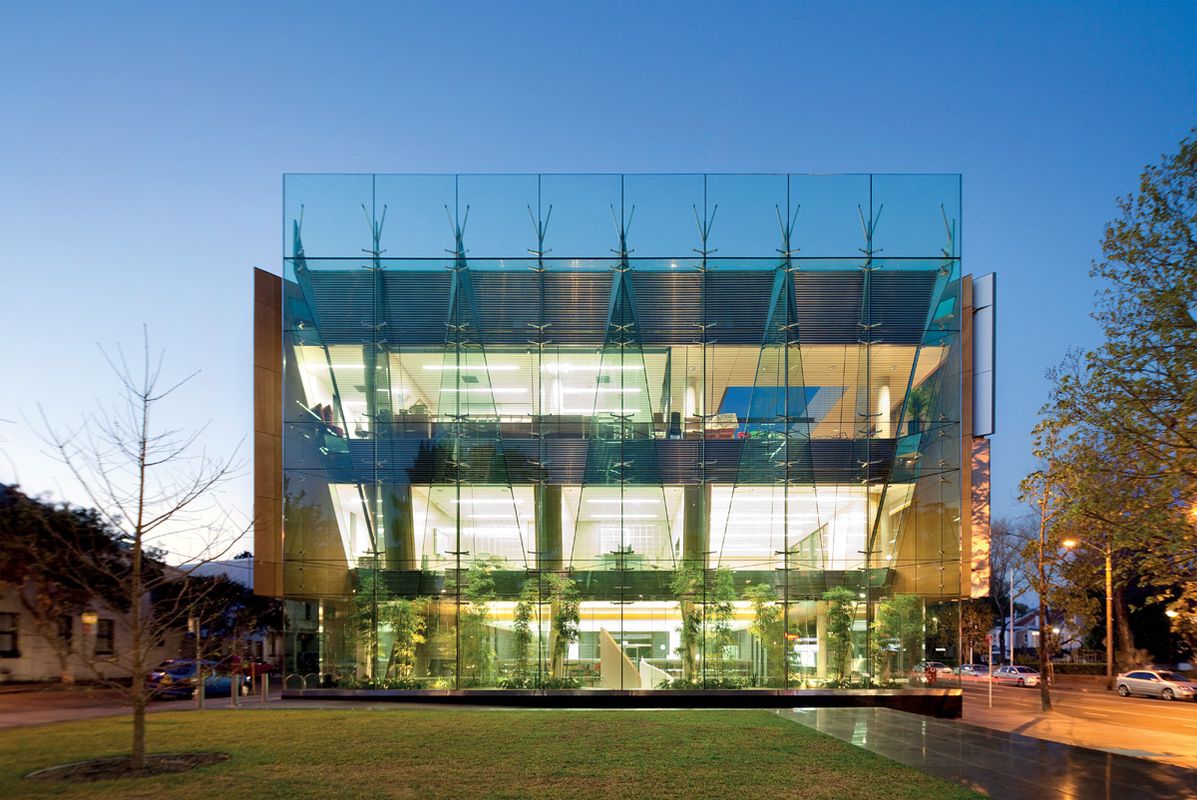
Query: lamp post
[{"x": 1106, "y": 551}]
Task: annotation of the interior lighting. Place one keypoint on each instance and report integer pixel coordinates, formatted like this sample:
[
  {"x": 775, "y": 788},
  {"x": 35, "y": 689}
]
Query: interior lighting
[
  {"x": 568, "y": 367},
  {"x": 737, "y": 517},
  {"x": 491, "y": 529},
  {"x": 627, "y": 501},
  {"x": 594, "y": 389},
  {"x": 471, "y": 367},
  {"x": 486, "y": 390},
  {"x": 624, "y": 516}
]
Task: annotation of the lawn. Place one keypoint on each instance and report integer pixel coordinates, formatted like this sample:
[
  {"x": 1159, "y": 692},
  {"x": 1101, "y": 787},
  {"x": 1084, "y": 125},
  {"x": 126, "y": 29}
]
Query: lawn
[{"x": 467, "y": 754}]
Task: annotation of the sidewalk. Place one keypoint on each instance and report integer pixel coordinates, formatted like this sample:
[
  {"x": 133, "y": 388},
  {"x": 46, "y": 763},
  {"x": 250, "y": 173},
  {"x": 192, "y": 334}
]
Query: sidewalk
[
  {"x": 56, "y": 703},
  {"x": 1006, "y": 766}
]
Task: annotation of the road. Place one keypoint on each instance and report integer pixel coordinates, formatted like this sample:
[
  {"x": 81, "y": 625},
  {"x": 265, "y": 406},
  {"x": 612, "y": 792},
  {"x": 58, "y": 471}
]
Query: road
[
  {"x": 1096, "y": 704},
  {"x": 1091, "y": 717}
]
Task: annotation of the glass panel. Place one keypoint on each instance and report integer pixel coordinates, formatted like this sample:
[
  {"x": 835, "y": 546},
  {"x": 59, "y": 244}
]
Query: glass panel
[{"x": 708, "y": 444}]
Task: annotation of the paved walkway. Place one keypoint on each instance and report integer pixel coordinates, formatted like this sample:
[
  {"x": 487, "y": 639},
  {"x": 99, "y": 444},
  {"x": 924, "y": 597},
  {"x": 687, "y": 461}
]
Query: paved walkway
[
  {"x": 58, "y": 704},
  {"x": 1002, "y": 765}
]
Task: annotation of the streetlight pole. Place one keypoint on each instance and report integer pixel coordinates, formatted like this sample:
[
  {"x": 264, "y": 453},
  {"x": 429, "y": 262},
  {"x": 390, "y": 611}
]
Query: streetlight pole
[
  {"x": 1108, "y": 553},
  {"x": 1109, "y": 618}
]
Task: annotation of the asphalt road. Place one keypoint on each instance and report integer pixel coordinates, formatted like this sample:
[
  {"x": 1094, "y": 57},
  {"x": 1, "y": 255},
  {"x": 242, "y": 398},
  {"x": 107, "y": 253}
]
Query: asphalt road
[{"x": 1095, "y": 704}]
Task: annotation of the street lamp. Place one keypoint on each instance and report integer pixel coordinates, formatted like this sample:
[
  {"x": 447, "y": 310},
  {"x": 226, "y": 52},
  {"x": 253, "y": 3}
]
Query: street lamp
[{"x": 1106, "y": 551}]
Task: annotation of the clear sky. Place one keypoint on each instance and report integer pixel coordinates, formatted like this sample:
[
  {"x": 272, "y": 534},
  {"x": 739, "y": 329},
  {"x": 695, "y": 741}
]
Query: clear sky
[{"x": 142, "y": 148}]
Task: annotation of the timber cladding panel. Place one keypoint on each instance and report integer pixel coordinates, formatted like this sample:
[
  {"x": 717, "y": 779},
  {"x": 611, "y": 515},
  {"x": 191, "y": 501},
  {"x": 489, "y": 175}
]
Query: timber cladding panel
[{"x": 268, "y": 429}]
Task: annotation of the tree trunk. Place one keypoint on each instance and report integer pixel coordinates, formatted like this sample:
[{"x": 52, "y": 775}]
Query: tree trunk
[
  {"x": 137, "y": 761},
  {"x": 1045, "y": 692},
  {"x": 1124, "y": 636}
]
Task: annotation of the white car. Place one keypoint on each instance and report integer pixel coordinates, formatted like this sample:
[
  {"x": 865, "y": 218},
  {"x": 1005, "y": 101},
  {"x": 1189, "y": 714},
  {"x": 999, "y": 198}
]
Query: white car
[
  {"x": 976, "y": 672},
  {"x": 1156, "y": 683},
  {"x": 1016, "y": 676},
  {"x": 931, "y": 671}
]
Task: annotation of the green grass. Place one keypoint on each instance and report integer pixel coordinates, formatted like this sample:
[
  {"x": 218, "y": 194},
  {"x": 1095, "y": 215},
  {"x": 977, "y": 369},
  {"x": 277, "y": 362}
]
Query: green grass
[{"x": 468, "y": 753}]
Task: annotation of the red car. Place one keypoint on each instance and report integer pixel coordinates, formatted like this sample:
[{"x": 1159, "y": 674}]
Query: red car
[{"x": 252, "y": 667}]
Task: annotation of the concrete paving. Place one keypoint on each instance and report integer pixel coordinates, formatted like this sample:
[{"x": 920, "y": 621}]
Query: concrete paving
[
  {"x": 58, "y": 704},
  {"x": 998, "y": 764}
]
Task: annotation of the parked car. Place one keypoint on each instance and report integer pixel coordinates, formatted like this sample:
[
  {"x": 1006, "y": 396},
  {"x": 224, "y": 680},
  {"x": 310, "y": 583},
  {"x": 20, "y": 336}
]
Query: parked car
[
  {"x": 1017, "y": 676},
  {"x": 931, "y": 671},
  {"x": 1156, "y": 683},
  {"x": 176, "y": 677},
  {"x": 976, "y": 672},
  {"x": 252, "y": 667}
]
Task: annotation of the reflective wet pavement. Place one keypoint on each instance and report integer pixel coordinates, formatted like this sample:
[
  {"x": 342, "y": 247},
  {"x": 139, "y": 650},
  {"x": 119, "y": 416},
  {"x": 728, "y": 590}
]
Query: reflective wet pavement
[{"x": 1005, "y": 766}]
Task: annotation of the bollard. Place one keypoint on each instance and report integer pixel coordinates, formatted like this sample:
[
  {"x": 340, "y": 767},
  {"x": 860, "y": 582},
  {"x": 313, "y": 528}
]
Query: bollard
[
  {"x": 265, "y": 686},
  {"x": 235, "y": 690}
]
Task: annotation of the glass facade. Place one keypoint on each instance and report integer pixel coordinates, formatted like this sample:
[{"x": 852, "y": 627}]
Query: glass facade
[{"x": 620, "y": 431}]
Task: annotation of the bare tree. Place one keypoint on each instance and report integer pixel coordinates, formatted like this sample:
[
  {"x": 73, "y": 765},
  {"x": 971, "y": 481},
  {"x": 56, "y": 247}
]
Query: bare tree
[
  {"x": 150, "y": 484},
  {"x": 1005, "y": 559}
]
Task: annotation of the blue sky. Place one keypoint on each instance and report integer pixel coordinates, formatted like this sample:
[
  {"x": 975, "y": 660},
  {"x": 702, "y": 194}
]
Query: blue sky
[{"x": 142, "y": 147}]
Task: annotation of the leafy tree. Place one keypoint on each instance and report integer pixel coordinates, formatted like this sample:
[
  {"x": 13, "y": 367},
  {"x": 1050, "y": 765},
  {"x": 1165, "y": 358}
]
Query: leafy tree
[
  {"x": 1045, "y": 491},
  {"x": 900, "y": 623},
  {"x": 722, "y": 600},
  {"x": 1130, "y": 405},
  {"x": 686, "y": 585},
  {"x": 476, "y": 658},
  {"x": 976, "y": 620},
  {"x": 841, "y": 613},
  {"x": 408, "y": 621},
  {"x": 1139, "y": 384},
  {"x": 767, "y": 628},
  {"x": 521, "y": 629},
  {"x": 566, "y": 625}
]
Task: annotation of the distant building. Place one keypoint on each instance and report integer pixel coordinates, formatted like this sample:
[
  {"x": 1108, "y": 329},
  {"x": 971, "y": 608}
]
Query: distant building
[
  {"x": 31, "y": 652},
  {"x": 1026, "y": 635}
]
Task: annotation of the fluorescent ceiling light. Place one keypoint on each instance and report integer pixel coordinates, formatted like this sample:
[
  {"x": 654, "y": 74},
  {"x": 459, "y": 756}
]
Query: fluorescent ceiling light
[
  {"x": 486, "y": 390},
  {"x": 489, "y": 529},
  {"x": 627, "y": 501},
  {"x": 623, "y": 516},
  {"x": 567, "y": 367},
  {"x": 485, "y": 501},
  {"x": 773, "y": 517},
  {"x": 594, "y": 389},
  {"x": 472, "y": 367},
  {"x": 628, "y": 410}
]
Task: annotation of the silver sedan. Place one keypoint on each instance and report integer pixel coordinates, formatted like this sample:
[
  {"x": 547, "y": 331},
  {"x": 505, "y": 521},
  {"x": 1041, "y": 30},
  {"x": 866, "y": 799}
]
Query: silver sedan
[{"x": 1156, "y": 683}]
